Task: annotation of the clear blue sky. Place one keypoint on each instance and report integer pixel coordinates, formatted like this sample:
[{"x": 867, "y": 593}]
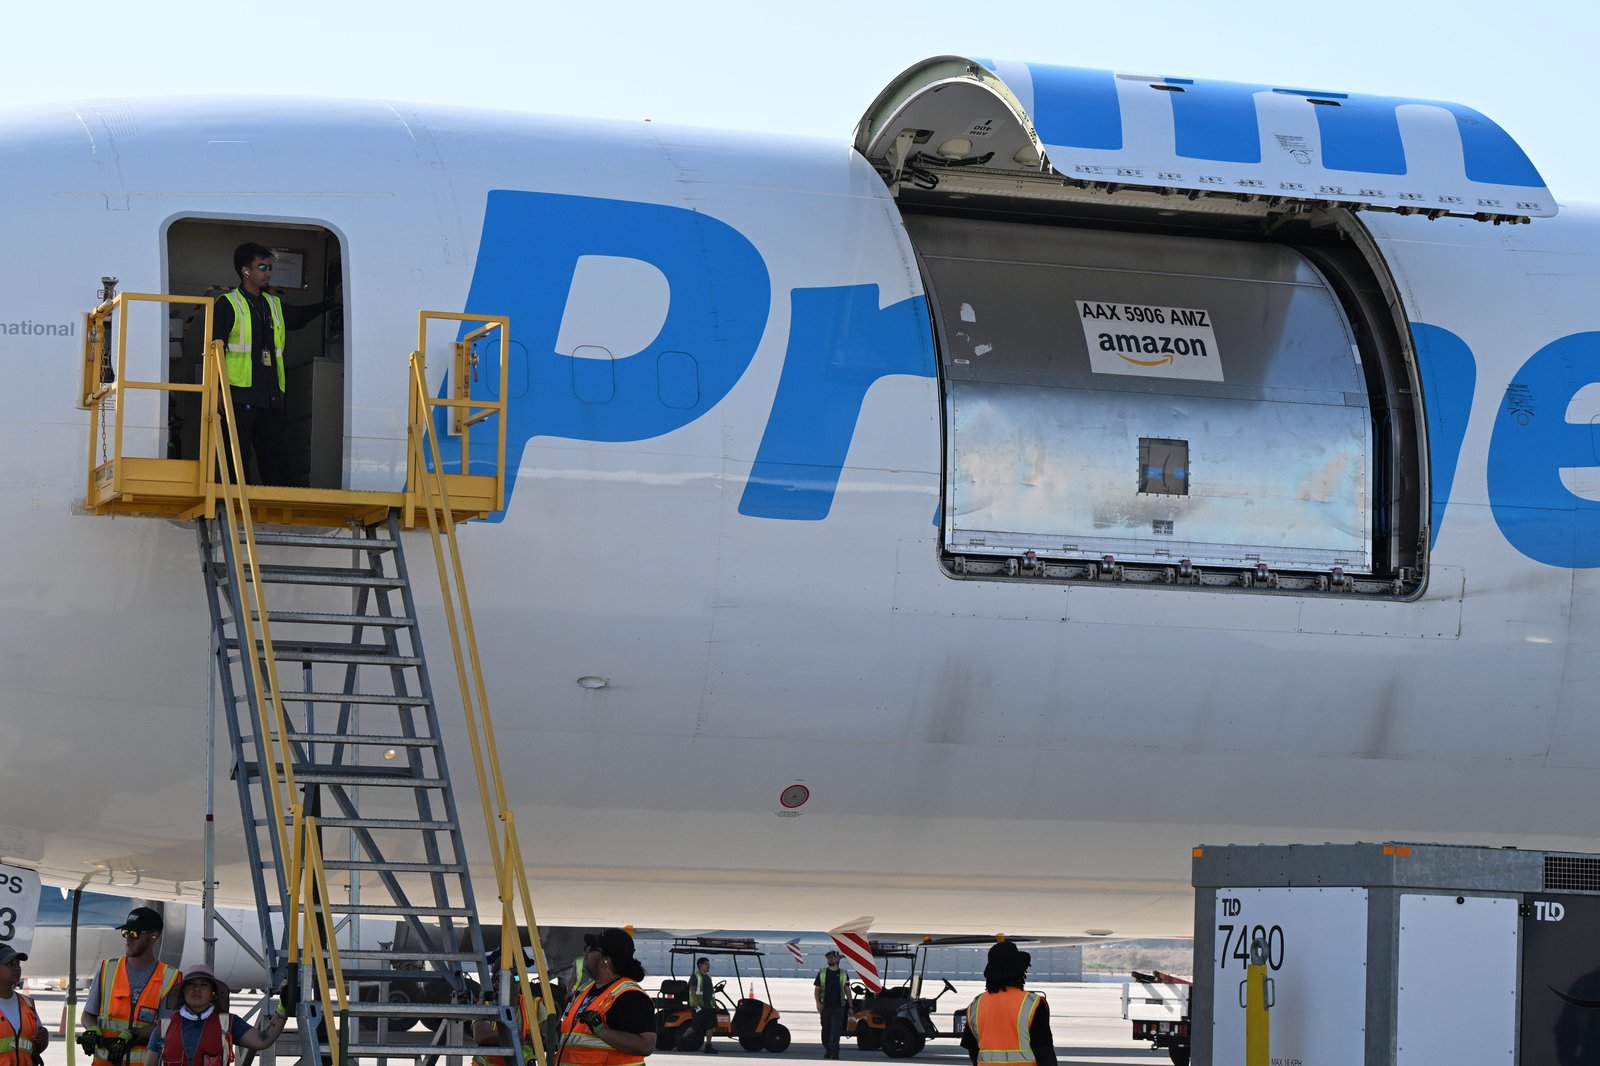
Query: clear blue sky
[{"x": 814, "y": 66}]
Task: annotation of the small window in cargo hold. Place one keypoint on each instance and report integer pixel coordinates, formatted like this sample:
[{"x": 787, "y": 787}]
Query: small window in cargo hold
[{"x": 1151, "y": 397}]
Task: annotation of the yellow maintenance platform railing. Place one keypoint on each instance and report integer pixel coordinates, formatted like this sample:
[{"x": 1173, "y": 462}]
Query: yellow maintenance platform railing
[
  {"x": 119, "y": 483},
  {"x": 285, "y": 753}
]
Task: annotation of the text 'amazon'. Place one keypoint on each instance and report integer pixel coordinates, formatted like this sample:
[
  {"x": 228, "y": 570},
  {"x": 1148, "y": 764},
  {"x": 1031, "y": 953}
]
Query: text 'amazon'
[{"x": 1148, "y": 340}]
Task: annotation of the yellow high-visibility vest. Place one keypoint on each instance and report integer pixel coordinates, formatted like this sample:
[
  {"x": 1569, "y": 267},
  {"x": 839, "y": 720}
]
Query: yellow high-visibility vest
[{"x": 238, "y": 351}]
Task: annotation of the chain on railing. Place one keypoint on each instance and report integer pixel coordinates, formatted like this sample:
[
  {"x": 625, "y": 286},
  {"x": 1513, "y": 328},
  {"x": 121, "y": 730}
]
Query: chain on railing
[
  {"x": 426, "y": 479},
  {"x": 304, "y": 877}
]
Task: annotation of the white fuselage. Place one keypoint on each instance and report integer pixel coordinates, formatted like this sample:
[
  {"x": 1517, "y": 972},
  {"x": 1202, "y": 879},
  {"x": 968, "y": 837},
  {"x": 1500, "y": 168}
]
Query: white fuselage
[{"x": 979, "y": 755}]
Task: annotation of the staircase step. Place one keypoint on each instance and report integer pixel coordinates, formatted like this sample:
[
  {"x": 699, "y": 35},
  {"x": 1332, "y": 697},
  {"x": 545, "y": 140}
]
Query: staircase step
[
  {"x": 370, "y": 866},
  {"x": 330, "y": 651},
  {"x": 423, "y": 1010},
  {"x": 355, "y": 955},
  {"x": 376, "y": 739},
  {"x": 303, "y": 696},
  {"x": 324, "y": 618},
  {"x": 382, "y": 973},
  {"x": 342, "y": 576},
  {"x": 386, "y": 823},
  {"x": 353, "y": 776},
  {"x": 398, "y": 910},
  {"x": 298, "y": 540},
  {"x": 419, "y": 1050}
]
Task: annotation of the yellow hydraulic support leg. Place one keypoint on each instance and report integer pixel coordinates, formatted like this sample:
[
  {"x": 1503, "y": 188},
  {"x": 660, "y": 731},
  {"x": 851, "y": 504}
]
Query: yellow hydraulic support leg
[{"x": 1256, "y": 997}]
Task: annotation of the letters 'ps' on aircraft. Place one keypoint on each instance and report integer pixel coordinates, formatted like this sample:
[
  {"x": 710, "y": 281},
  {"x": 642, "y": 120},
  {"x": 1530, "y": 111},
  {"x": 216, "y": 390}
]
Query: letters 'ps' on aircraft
[{"x": 957, "y": 524}]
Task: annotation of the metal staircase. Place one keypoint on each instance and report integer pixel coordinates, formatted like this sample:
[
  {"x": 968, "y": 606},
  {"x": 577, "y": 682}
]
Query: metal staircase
[
  {"x": 368, "y": 759},
  {"x": 337, "y": 740}
]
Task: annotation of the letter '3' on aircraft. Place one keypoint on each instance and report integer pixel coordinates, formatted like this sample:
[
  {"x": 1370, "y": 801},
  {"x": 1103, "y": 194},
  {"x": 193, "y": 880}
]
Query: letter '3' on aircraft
[{"x": 960, "y": 527}]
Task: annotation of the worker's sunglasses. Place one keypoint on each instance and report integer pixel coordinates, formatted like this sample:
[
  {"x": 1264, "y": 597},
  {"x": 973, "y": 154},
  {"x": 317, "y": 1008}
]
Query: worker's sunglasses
[
  {"x": 131, "y": 934},
  {"x": 264, "y": 268}
]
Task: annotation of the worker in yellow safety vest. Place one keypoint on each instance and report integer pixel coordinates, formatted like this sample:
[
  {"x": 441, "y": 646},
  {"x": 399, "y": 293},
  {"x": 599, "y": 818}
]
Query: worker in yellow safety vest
[
  {"x": 610, "y": 1020},
  {"x": 254, "y": 323},
  {"x": 124, "y": 1001},
  {"x": 1006, "y": 1024},
  {"x": 23, "y": 1037}
]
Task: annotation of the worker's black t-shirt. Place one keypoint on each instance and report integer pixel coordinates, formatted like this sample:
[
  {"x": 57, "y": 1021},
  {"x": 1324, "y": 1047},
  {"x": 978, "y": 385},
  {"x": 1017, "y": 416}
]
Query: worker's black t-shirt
[{"x": 631, "y": 1012}]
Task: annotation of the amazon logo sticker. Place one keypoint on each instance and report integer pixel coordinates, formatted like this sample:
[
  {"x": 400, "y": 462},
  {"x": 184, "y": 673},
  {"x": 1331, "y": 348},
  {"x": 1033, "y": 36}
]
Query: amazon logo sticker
[{"x": 1150, "y": 340}]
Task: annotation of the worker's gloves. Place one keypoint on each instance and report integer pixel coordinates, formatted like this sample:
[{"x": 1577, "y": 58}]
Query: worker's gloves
[
  {"x": 592, "y": 1019},
  {"x": 116, "y": 1048},
  {"x": 89, "y": 1040}
]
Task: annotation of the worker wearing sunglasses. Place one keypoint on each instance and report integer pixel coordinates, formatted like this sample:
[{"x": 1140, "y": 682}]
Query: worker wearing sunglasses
[
  {"x": 253, "y": 324},
  {"x": 124, "y": 999}
]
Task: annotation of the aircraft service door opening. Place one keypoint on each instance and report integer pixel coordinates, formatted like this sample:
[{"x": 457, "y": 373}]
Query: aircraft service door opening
[
  {"x": 1159, "y": 396},
  {"x": 307, "y": 263}
]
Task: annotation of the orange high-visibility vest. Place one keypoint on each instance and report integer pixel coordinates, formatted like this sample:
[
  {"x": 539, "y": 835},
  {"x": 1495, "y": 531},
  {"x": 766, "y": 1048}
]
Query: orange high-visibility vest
[
  {"x": 527, "y": 1035},
  {"x": 579, "y": 1046},
  {"x": 16, "y": 1045},
  {"x": 999, "y": 1022},
  {"x": 118, "y": 1013}
]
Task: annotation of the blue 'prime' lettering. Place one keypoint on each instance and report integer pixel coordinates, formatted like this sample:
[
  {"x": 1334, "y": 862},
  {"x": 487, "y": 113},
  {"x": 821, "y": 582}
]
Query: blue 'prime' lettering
[
  {"x": 1449, "y": 376},
  {"x": 840, "y": 342},
  {"x": 1532, "y": 442},
  {"x": 721, "y": 295}
]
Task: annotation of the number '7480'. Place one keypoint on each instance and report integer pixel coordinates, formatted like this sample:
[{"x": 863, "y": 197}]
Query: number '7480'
[{"x": 1236, "y": 941}]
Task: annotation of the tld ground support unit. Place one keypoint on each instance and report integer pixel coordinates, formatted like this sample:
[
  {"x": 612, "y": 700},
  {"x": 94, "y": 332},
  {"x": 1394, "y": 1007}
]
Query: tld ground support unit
[{"x": 1399, "y": 954}]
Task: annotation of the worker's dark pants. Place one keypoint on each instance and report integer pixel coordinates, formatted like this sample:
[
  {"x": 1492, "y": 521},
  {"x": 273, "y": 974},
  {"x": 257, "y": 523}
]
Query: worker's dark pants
[
  {"x": 264, "y": 433},
  {"x": 832, "y": 1028},
  {"x": 706, "y": 1022}
]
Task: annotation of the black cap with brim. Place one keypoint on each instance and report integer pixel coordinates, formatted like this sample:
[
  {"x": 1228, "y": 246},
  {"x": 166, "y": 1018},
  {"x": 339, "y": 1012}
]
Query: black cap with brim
[
  {"x": 615, "y": 943},
  {"x": 9, "y": 954},
  {"x": 142, "y": 920}
]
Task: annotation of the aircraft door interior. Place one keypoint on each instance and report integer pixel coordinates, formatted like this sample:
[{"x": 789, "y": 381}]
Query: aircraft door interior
[
  {"x": 1162, "y": 404},
  {"x": 308, "y": 263}
]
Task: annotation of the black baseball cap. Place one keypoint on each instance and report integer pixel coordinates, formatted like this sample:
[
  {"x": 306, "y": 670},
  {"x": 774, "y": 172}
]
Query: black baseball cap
[
  {"x": 613, "y": 942},
  {"x": 9, "y": 954},
  {"x": 143, "y": 920}
]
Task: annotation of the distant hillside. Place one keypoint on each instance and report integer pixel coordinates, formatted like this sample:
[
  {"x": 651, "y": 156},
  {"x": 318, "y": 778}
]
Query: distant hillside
[{"x": 1173, "y": 956}]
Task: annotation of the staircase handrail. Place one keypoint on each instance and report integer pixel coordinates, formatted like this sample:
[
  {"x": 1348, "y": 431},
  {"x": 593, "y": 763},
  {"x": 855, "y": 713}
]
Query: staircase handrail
[
  {"x": 304, "y": 875},
  {"x": 425, "y": 476}
]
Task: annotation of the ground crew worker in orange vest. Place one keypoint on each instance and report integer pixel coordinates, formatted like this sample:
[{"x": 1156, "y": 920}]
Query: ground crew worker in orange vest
[
  {"x": 23, "y": 1037},
  {"x": 1006, "y": 1024},
  {"x": 124, "y": 1001},
  {"x": 488, "y": 1033},
  {"x": 610, "y": 1021},
  {"x": 201, "y": 1032}
]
